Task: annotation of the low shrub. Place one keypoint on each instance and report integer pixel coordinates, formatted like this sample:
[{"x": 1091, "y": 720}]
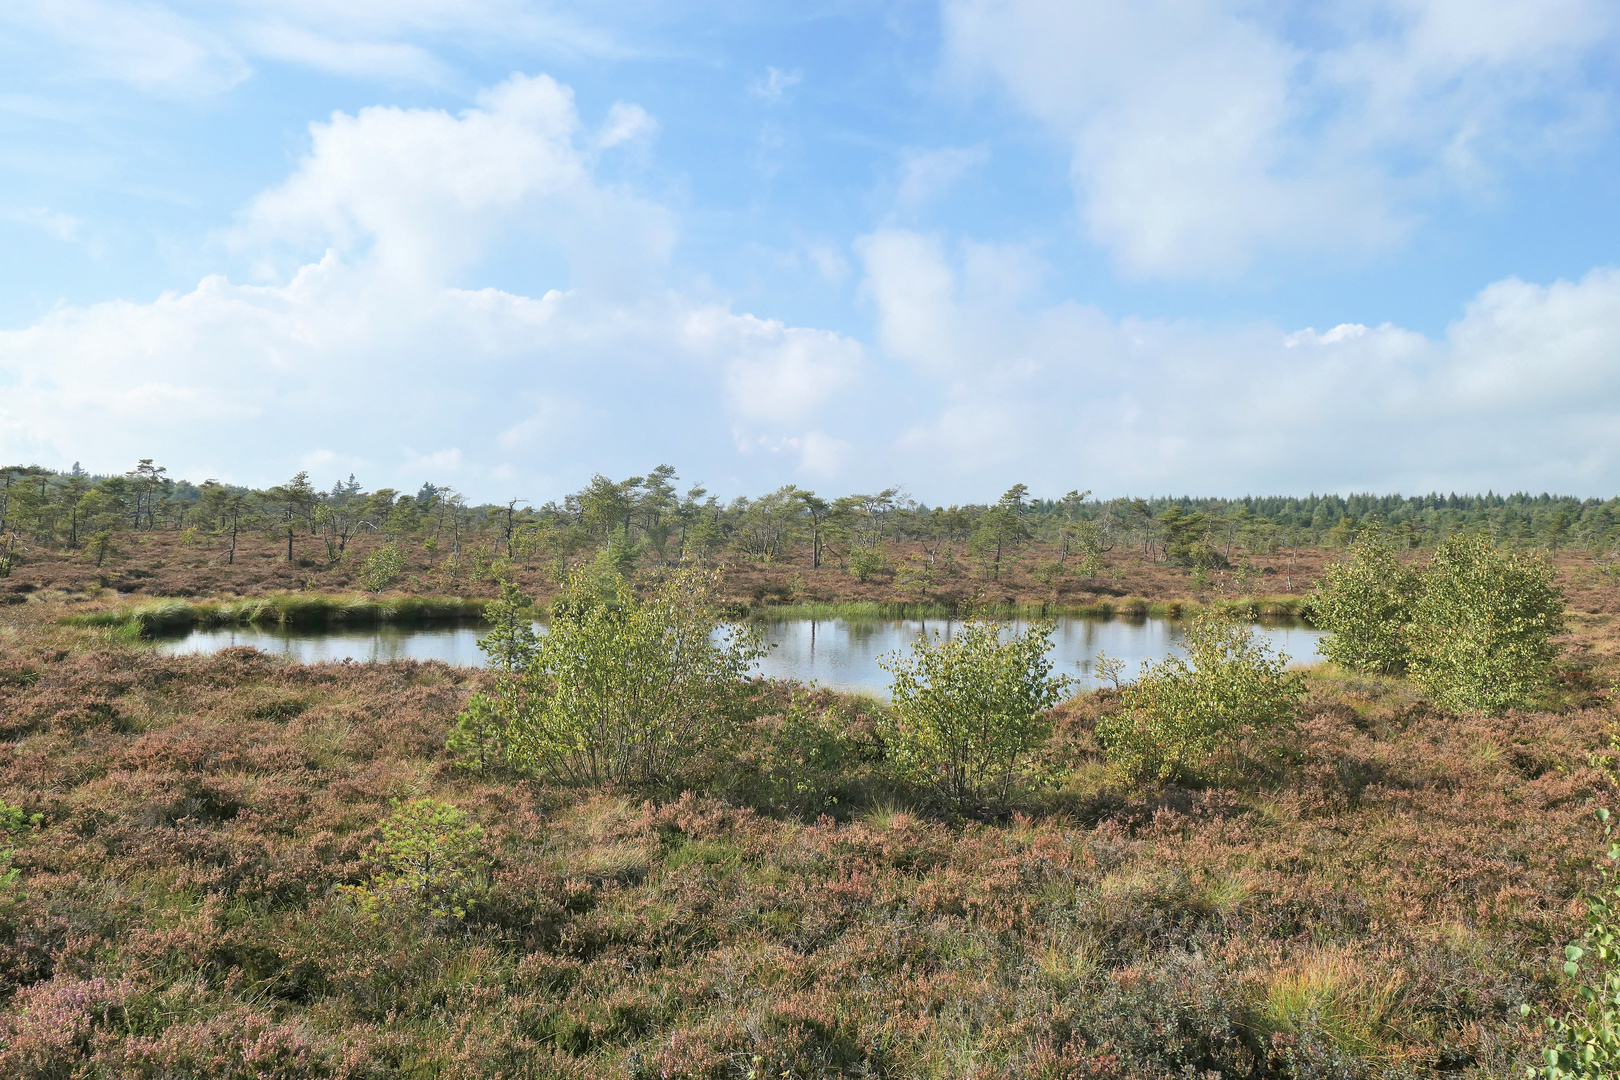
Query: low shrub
[
  {"x": 1482, "y": 629},
  {"x": 807, "y": 758},
  {"x": 623, "y": 690},
  {"x": 969, "y": 709},
  {"x": 1184, "y": 713},
  {"x": 1365, "y": 603},
  {"x": 382, "y": 568},
  {"x": 866, "y": 564}
]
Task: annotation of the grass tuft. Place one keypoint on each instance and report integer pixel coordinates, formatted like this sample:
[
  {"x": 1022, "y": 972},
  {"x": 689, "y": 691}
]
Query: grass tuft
[{"x": 304, "y": 610}]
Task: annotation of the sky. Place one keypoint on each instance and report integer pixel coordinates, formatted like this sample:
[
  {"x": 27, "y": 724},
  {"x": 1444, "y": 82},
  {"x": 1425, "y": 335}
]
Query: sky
[{"x": 1217, "y": 247}]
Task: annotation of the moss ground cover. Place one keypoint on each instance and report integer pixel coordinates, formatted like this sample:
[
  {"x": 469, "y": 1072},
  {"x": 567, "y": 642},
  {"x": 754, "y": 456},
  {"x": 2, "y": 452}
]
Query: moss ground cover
[{"x": 1380, "y": 903}]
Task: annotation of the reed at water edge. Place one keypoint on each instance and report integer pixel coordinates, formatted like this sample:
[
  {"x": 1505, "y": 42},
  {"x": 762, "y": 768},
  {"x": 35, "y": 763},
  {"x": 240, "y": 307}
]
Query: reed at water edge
[
  {"x": 283, "y": 609},
  {"x": 1253, "y": 608}
]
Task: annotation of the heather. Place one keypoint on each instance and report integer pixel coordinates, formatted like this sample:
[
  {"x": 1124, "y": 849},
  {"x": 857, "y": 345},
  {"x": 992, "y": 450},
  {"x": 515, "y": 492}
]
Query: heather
[{"x": 1374, "y": 895}]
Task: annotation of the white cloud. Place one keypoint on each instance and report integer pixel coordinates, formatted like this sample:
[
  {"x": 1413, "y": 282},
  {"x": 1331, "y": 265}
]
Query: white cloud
[
  {"x": 64, "y": 227},
  {"x": 1206, "y": 132},
  {"x": 777, "y": 86},
  {"x": 626, "y": 123},
  {"x": 144, "y": 45},
  {"x": 423, "y": 190},
  {"x": 926, "y": 175},
  {"x": 1523, "y": 391},
  {"x": 376, "y": 351},
  {"x": 778, "y": 372},
  {"x": 393, "y": 61}
]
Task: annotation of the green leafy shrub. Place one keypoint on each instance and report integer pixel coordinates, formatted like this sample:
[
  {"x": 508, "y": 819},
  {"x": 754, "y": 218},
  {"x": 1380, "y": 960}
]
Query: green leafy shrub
[
  {"x": 806, "y": 755},
  {"x": 382, "y": 568},
  {"x": 1184, "y": 713},
  {"x": 969, "y": 709},
  {"x": 866, "y": 564},
  {"x": 429, "y": 862},
  {"x": 1482, "y": 629},
  {"x": 1586, "y": 1041},
  {"x": 478, "y": 742},
  {"x": 1365, "y": 603},
  {"x": 623, "y": 690}
]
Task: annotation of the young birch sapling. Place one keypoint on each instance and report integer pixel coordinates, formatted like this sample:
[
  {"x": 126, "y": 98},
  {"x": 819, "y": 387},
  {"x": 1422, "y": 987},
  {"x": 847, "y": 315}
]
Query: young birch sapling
[
  {"x": 969, "y": 710},
  {"x": 1183, "y": 714}
]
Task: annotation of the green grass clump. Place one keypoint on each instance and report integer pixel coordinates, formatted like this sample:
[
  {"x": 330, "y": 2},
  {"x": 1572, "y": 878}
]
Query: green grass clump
[
  {"x": 1251, "y": 608},
  {"x": 282, "y": 609}
]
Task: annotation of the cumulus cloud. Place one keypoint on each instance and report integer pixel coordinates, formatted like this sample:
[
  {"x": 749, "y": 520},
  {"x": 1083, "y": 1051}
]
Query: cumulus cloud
[
  {"x": 778, "y": 372},
  {"x": 421, "y": 192},
  {"x": 1205, "y": 132},
  {"x": 385, "y": 348},
  {"x": 1522, "y": 391}
]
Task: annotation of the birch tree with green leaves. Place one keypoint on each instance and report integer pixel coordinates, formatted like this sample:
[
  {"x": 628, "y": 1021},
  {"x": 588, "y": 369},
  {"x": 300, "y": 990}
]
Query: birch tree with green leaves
[
  {"x": 623, "y": 690},
  {"x": 970, "y": 709}
]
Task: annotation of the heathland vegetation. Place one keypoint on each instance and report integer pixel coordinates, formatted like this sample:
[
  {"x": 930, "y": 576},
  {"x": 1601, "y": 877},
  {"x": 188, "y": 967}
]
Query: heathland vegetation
[{"x": 613, "y": 852}]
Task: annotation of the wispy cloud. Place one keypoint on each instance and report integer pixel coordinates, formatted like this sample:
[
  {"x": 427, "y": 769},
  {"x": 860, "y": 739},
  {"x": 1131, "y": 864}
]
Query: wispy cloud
[
  {"x": 924, "y": 175},
  {"x": 144, "y": 45},
  {"x": 777, "y": 86},
  {"x": 65, "y": 227}
]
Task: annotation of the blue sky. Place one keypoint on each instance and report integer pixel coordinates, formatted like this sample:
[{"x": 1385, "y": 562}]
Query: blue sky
[{"x": 1160, "y": 246}]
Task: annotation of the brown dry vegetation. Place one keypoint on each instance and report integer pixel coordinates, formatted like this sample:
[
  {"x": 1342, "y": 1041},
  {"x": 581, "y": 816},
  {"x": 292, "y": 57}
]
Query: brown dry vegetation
[
  {"x": 162, "y": 564},
  {"x": 1378, "y": 904}
]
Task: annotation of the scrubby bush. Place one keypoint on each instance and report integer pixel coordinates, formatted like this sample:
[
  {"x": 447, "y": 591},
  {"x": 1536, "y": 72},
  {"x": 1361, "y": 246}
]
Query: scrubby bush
[
  {"x": 969, "y": 709},
  {"x": 1365, "y": 603},
  {"x": 1474, "y": 628},
  {"x": 478, "y": 741},
  {"x": 1482, "y": 629},
  {"x": 866, "y": 564},
  {"x": 382, "y": 568},
  {"x": 1184, "y": 713},
  {"x": 429, "y": 862},
  {"x": 803, "y": 758},
  {"x": 622, "y": 689}
]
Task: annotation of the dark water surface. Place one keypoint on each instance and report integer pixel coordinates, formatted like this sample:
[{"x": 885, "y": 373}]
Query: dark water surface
[{"x": 833, "y": 652}]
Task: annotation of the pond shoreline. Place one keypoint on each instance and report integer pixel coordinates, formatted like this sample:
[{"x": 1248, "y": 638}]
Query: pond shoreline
[
  {"x": 329, "y": 611},
  {"x": 840, "y": 654}
]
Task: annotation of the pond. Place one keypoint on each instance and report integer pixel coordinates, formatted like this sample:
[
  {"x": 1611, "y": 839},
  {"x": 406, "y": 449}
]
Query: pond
[{"x": 833, "y": 652}]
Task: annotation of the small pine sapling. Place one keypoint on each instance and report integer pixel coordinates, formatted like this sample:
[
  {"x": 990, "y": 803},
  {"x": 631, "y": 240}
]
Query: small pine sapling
[{"x": 430, "y": 862}]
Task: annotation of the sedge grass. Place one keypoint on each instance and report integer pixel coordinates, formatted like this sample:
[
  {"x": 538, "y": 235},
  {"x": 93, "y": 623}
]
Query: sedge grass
[
  {"x": 1249, "y": 608},
  {"x": 282, "y": 609}
]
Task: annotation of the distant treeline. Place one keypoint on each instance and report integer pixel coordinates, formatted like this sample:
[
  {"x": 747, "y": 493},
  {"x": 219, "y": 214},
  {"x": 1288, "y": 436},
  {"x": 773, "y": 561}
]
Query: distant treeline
[{"x": 647, "y": 518}]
